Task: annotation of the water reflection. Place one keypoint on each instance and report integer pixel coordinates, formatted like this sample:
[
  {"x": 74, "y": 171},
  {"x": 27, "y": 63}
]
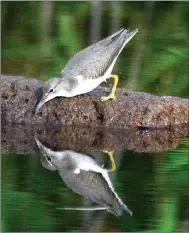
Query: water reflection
[
  {"x": 157, "y": 180},
  {"x": 86, "y": 177}
]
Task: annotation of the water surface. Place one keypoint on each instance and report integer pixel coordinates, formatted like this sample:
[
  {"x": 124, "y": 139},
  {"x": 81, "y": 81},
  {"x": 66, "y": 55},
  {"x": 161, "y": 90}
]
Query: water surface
[{"x": 39, "y": 195}]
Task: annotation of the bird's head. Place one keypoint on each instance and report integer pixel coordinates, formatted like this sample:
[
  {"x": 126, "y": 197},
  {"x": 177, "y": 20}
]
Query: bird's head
[
  {"x": 49, "y": 92},
  {"x": 51, "y": 89}
]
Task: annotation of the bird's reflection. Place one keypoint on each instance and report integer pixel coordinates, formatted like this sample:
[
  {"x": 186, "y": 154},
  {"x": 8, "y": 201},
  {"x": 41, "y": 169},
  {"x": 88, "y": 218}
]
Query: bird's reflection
[{"x": 84, "y": 176}]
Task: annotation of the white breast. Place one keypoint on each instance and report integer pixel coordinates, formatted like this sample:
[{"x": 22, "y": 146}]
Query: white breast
[{"x": 87, "y": 85}]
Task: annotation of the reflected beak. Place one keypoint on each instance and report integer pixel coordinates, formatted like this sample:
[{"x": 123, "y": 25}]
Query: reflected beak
[
  {"x": 38, "y": 142},
  {"x": 42, "y": 148}
]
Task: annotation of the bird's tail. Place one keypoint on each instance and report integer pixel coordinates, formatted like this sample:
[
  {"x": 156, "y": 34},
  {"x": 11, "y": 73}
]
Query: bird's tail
[
  {"x": 120, "y": 209},
  {"x": 119, "y": 40},
  {"x": 129, "y": 35},
  {"x": 113, "y": 36},
  {"x": 126, "y": 209}
]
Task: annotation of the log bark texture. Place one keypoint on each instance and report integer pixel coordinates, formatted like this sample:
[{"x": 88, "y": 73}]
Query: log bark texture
[
  {"x": 20, "y": 139},
  {"x": 20, "y": 95}
]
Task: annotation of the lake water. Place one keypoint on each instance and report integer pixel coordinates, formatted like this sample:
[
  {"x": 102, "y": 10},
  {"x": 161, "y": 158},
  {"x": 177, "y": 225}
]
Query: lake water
[{"x": 43, "y": 191}]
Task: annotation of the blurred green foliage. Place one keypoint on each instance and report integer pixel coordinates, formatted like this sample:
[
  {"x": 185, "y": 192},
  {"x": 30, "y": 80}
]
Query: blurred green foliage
[{"x": 38, "y": 39}]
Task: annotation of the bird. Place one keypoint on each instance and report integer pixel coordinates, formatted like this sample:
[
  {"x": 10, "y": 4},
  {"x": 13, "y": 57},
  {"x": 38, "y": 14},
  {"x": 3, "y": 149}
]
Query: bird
[
  {"x": 87, "y": 69},
  {"x": 84, "y": 176}
]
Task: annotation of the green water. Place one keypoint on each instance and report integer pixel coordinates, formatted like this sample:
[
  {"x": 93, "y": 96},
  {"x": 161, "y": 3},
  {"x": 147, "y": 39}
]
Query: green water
[
  {"x": 153, "y": 185},
  {"x": 38, "y": 39}
]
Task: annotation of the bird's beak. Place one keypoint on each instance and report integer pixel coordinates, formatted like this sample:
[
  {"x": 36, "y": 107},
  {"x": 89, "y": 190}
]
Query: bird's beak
[
  {"x": 39, "y": 105},
  {"x": 43, "y": 100}
]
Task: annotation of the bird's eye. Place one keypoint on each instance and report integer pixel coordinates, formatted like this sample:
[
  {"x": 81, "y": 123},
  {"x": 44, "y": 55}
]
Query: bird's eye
[
  {"x": 49, "y": 159},
  {"x": 51, "y": 90}
]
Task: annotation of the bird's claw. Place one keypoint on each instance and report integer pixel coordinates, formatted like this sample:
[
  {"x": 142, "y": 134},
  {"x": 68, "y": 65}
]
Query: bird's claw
[{"x": 111, "y": 96}]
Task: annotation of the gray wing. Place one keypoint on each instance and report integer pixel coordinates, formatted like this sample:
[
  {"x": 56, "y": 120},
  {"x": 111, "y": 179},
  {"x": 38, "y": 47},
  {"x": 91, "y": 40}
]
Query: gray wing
[{"x": 94, "y": 61}]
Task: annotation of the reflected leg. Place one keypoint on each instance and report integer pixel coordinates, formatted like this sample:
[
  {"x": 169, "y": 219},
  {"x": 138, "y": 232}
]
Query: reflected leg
[{"x": 111, "y": 155}]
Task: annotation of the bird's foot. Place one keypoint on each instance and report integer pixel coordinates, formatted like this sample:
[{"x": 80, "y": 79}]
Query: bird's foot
[
  {"x": 111, "y": 96},
  {"x": 106, "y": 151}
]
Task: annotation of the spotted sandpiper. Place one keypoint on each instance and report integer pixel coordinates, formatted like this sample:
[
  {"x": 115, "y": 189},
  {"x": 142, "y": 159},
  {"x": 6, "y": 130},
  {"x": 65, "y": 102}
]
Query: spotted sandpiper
[
  {"x": 88, "y": 68},
  {"x": 84, "y": 176}
]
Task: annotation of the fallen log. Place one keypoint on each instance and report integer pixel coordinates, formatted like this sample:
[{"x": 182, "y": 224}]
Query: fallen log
[{"x": 20, "y": 95}]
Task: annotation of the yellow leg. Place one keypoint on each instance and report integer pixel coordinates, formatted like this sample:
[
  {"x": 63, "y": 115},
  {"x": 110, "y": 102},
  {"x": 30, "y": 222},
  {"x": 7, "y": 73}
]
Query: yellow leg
[
  {"x": 111, "y": 155},
  {"x": 112, "y": 94}
]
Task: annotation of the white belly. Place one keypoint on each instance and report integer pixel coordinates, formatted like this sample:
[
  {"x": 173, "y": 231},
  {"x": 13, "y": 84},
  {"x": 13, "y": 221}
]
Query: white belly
[
  {"x": 90, "y": 84},
  {"x": 87, "y": 85}
]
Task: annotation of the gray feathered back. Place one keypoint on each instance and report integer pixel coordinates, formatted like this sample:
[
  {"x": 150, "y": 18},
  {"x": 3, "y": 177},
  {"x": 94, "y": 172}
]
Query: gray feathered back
[{"x": 94, "y": 61}]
